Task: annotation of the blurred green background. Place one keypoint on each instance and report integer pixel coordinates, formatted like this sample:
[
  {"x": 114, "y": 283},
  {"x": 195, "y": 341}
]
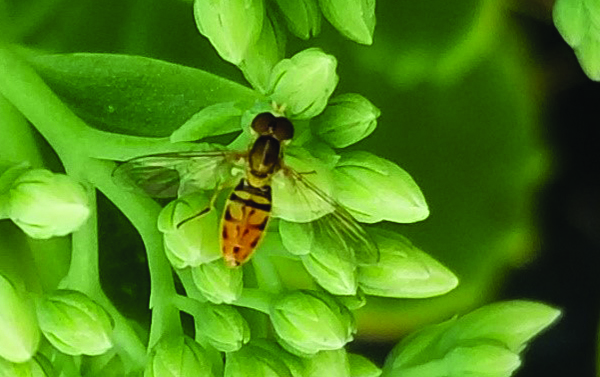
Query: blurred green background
[{"x": 481, "y": 103}]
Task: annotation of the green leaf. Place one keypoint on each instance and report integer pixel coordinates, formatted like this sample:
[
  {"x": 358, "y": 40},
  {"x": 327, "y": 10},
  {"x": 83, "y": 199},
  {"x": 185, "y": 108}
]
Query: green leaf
[
  {"x": 217, "y": 119},
  {"x": 578, "y": 21},
  {"x": 375, "y": 189},
  {"x": 134, "y": 95}
]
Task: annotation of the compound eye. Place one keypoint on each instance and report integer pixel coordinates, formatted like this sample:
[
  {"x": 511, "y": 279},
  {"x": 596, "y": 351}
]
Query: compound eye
[
  {"x": 284, "y": 129},
  {"x": 263, "y": 123}
]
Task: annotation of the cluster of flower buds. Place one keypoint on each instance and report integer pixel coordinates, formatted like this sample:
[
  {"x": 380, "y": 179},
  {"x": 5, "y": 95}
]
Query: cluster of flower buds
[
  {"x": 69, "y": 320},
  {"x": 244, "y": 34}
]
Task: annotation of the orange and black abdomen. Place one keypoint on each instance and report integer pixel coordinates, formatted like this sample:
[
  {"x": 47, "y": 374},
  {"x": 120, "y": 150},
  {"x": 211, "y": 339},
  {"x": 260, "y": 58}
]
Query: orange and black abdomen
[{"x": 244, "y": 222}]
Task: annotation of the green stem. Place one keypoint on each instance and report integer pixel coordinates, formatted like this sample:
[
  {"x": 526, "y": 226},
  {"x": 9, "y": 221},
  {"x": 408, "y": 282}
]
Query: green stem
[
  {"x": 83, "y": 272},
  {"x": 84, "y": 275},
  {"x": 74, "y": 142},
  {"x": 143, "y": 213},
  {"x": 256, "y": 299},
  {"x": 189, "y": 305},
  {"x": 20, "y": 145}
]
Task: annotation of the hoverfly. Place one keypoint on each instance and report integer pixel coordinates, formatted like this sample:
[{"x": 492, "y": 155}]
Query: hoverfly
[{"x": 248, "y": 208}]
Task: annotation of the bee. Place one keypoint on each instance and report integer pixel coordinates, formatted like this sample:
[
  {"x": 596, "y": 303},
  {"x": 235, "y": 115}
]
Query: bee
[{"x": 249, "y": 205}]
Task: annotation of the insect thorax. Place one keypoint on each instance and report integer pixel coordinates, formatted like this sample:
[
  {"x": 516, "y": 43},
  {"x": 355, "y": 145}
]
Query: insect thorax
[{"x": 263, "y": 160}]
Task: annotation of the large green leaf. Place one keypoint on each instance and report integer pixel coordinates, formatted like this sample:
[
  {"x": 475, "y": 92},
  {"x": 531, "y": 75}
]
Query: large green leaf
[{"x": 134, "y": 95}]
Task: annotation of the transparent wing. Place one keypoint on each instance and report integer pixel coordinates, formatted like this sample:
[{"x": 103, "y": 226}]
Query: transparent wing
[
  {"x": 168, "y": 175},
  {"x": 336, "y": 229}
]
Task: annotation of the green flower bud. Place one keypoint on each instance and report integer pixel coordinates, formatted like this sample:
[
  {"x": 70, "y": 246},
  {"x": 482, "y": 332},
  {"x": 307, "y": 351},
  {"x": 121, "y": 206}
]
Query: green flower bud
[
  {"x": 194, "y": 242},
  {"x": 75, "y": 324},
  {"x": 353, "y": 302},
  {"x": 481, "y": 360},
  {"x": 19, "y": 332},
  {"x": 347, "y": 119},
  {"x": 360, "y": 366},
  {"x": 511, "y": 323},
  {"x": 332, "y": 270},
  {"x": 304, "y": 83},
  {"x": 262, "y": 56},
  {"x": 217, "y": 119},
  {"x": 262, "y": 358},
  {"x": 577, "y": 22},
  {"x": 485, "y": 360},
  {"x": 296, "y": 237},
  {"x": 374, "y": 189},
  {"x": 222, "y": 326},
  {"x": 404, "y": 271},
  {"x": 328, "y": 363},
  {"x": 39, "y": 366},
  {"x": 232, "y": 26},
  {"x": 9, "y": 172},
  {"x": 44, "y": 204},
  {"x": 484, "y": 342},
  {"x": 355, "y": 19},
  {"x": 217, "y": 282},
  {"x": 178, "y": 357},
  {"x": 307, "y": 322},
  {"x": 303, "y": 17}
]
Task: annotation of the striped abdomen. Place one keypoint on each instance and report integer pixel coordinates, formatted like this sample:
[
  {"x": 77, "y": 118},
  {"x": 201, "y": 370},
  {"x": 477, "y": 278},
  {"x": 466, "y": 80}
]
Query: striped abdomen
[{"x": 244, "y": 221}]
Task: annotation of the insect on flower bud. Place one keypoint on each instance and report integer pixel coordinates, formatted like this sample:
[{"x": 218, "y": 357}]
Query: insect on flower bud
[
  {"x": 19, "y": 331},
  {"x": 218, "y": 283},
  {"x": 178, "y": 357},
  {"x": 232, "y": 26},
  {"x": 189, "y": 240},
  {"x": 75, "y": 324},
  {"x": 347, "y": 119},
  {"x": 304, "y": 83},
  {"x": 44, "y": 204},
  {"x": 307, "y": 322},
  {"x": 223, "y": 327}
]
